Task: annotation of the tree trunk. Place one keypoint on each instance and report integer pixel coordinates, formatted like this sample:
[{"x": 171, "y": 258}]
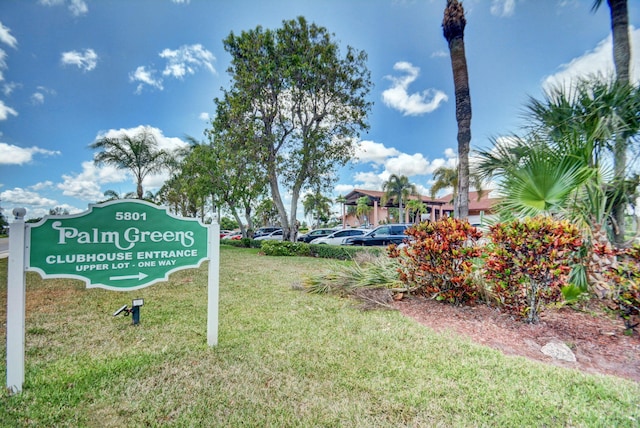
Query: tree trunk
[
  {"x": 621, "y": 59},
  {"x": 453, "y": 26},
  {"x": 463, "y": 117}
]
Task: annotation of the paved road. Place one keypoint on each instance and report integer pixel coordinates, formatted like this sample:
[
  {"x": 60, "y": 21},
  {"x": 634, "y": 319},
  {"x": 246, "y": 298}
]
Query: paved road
[{"x": 4, "y": 247}]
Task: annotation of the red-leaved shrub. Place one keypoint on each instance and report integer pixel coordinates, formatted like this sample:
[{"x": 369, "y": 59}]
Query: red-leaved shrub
[
  {"x": 530, "y": 261},
  {"x": 626, "y": 290},
  {"x": 439, "y": 259}
]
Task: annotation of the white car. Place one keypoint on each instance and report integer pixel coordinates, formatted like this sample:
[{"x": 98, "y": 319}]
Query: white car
[
  {"x": 273, "y": 236},
  {"x": 337, "y": 237}
]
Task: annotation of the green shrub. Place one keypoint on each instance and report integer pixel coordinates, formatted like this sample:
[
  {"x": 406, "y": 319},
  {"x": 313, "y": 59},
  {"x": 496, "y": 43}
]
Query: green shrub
[
  {"x": 439, "y": 259},
  {"x": 285, "y": 248},
  {"x": 530, "y": 261},
  {"x": 342, "y": 252}
]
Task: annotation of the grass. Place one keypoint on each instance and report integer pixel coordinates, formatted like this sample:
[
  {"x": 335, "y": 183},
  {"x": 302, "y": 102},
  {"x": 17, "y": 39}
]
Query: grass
[{"x": 284, "y": 358}]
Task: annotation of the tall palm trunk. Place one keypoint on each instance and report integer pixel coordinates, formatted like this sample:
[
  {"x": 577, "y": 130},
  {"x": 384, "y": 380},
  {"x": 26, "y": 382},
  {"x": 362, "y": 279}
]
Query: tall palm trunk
[
  {"x": 621, "y": 58},
  {"x": 453, "y": 28}
]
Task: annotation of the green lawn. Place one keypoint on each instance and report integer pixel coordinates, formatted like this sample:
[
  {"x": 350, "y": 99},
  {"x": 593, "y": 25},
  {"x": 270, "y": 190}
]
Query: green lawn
[{"x": 284, "y": 358}]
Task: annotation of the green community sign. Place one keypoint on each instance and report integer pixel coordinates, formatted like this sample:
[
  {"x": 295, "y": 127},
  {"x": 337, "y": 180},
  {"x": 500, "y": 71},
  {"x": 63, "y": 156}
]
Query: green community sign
[{"x": 118, "y": 245}]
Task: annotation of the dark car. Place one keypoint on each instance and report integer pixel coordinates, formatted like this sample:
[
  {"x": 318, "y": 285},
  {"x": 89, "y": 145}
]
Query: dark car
[
  {"x": 318, "y": 233},
  {"x": 381, "y": 235},
  {"x": 264, "y": 231}
]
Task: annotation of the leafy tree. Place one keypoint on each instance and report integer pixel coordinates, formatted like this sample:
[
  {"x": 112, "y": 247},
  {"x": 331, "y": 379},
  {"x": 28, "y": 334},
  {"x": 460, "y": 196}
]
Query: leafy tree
[
  {"x": 453, "y": 28},
  {"x": 298, "y": 104},
  {"x": 227, "y": 223},
  {"x": 621, "y": 58},
  {"x": 266, "y": 213},
  {"x": 225, "y": 176},
  {"x": 398, "y": 188},
  {"x": 318, "y": 206},
  {"x": 58, "y": 211},
  {"x": 4, "y": 223},
  {"x": 138, "y": 153}
]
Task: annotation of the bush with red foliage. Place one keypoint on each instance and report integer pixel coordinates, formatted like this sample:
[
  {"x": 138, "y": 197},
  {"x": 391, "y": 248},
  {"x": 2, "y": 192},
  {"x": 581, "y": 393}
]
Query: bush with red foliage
[
  {"x": 626, "y": 279},
  {"x": 439, "y": 259},
  {"x": 530, "y": 262}
]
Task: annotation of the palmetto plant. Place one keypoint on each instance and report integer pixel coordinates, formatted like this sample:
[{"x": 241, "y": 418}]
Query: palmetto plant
[{"x": 564, "y": 164}]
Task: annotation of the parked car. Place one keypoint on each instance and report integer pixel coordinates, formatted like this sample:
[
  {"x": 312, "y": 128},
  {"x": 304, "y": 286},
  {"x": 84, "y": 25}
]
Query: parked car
[
  {"x": 381, "y": 235},
  {"x": 273, "y": 236},
  {"x": 338, "y": 237},
  {"x": 224, "y": 233},
  {"x": 318, "y": 233},
  {"x": 263, "y": 231},
  {"x": 233, "y": 235}
]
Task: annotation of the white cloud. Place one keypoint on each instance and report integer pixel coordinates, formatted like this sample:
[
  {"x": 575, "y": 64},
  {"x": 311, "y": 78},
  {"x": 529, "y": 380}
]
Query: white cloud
[
  {"x": 343, "y": 189},
  {"x": 86, "y": 185},
  {"x": 370, "y": 151},
  {"x": 42, "y": 185},
  {"x": 204, "y": 116},
  {"x": 397, "y": 96},
  {"x": 6, "y": 37},
  {"x": 20, "y": 196},
  {"x": 598, "y": 61},
  {"x": 14, "y": 155},
  {"x": 369, "y": 180},
  {"x": 408, "y": 165},
  {"x": 76, "y": 7},
  {"x": 440, "y": 54},
  {"x": 145, "y": 77},
  {"x": 8, "y": 88},
  {"x": 181, "y": 62},
  {"x": 5, "y": 111},
  {"x": 181, "y": 1},
  {"x": 187, "y": 59},
  {"x": 86, "y": 60},
  {"x": 37, "y": 98},
  {"x": 503, "y": 8}
]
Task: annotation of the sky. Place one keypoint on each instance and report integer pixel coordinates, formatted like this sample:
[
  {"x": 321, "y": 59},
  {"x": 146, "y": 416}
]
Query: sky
[{"x": 74, "y": 71}]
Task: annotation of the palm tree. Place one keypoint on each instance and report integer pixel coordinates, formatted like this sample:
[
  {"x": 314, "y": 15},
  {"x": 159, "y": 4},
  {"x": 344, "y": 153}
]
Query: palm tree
[
  {"x": 621, "y": 58},
  {"x": 342, "y": 200},
  {"x": 138, "y": 153},
  {"x": 362, "y": 208},
  {"x": 445, "y": 177},
  {"x": 397, "y": 188},
  {"x": 453, "y": 29},
  {"x": 318, "y": 206},
  {"x": 416, "y": 207}
]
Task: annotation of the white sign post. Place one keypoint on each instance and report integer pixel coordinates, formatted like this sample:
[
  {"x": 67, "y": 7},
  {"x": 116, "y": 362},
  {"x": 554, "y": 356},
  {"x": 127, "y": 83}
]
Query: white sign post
[{"x": 16, "y": 298}]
